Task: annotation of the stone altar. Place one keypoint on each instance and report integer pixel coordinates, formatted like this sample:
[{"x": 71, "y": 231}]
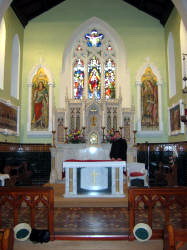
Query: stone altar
[
  {"x": 94, "y": 178},
  {"x": 84, "y": 151}
]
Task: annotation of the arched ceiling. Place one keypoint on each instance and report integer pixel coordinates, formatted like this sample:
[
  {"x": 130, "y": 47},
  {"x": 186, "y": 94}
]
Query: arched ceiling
[{"x": 26, "y": 10}]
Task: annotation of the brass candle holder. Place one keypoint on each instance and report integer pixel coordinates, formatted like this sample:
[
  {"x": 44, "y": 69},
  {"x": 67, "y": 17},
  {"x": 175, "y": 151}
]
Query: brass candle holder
[
  {"x": 103, "y": 132},
  {"x": 66, "y": 128},
  {"x": 83, "y": 131},
  {"x": 134, "y": 137},
  {"x": 53, "y": 133},
  {"x": 120, "y": 128}
]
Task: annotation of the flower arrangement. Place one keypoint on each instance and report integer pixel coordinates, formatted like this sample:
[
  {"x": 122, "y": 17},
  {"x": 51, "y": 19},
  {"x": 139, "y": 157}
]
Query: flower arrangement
[
  {"x": 75, "y": 136},
  {"x": 110, "y": 135}
]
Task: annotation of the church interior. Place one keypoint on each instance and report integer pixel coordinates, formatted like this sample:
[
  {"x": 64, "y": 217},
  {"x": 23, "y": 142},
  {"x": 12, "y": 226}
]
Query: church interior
[{"x": 71, "y": 74}]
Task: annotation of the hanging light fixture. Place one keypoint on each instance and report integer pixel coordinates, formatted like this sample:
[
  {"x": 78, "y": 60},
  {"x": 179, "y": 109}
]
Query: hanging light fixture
[{"x": 184, "y": 77}]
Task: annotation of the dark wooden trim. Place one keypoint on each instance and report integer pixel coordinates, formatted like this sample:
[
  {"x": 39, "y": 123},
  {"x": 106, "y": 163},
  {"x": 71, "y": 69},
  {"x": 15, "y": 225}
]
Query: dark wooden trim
[
  {"x": 18, "y": 147},
  {"x": 179, "y": 146},
  {"x": 147, "y": 197},
  {"x": 174, "y": 238},
  {"x": 7, "y": 239},
  {"x": 44, "y": 195},
  {"x": 90, "y": 237}
]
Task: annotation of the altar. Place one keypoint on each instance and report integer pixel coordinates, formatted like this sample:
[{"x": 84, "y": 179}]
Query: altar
[
  {"x": 94, "y": 178},
  {"x": 81, "y": 152}
]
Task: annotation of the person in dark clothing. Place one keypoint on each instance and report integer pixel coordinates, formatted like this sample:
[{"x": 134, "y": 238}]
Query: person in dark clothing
[{"x": 119, "y": 148}]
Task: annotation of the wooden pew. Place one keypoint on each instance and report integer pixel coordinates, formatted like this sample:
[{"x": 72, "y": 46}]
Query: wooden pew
[
  {"x": 6, "y": 239},
  {"x": 157, "y": 207},
  {"x": 174, "y": 238},
  {"x": 31, "y": 200}
]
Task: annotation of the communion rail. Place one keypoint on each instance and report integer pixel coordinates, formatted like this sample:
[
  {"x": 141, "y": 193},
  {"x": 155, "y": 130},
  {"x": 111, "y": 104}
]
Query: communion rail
[
  {"x": 32, "y": 205},
  {"x": 157, "y": 207}
]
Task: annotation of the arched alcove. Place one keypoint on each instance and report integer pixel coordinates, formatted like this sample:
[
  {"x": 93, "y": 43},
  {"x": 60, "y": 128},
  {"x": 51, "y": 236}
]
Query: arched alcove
[
  {"x": 122, "y": 75},
  {"x": 46, "y": 131},
  {"x": 171, "y": 65},
  {"x": 159, "y": 83},
  {"x": 183, "y": 43},
  {"x": 2, "y": 52},
  {"x": 15, "y": 70}
]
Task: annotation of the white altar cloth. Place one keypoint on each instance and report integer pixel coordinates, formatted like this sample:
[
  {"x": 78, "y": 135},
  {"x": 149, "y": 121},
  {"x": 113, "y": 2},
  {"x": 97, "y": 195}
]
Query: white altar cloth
[{"x": 93, "y": 183}]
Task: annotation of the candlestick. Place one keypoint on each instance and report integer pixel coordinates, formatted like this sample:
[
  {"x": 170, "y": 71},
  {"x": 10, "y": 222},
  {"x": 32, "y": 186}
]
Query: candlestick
[
  {"x": 121, "y": 131},
  {"x": 83, "y": 130},
  {"x": 53, "y": 133},
  {"x": 103, "y": 119},
  {"x": 53, "y": 123},
  {"x": 65, "y": 128},
  {"x": 103, "y": 128},
  {"x": 134, "y": 132}
]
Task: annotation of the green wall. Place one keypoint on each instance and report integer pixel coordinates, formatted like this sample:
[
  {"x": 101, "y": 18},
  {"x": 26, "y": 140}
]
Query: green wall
[
  {"x": 173, "y": 26},
  {"x": 48, "y": 35},
  {"x": 13, "y": 27}
]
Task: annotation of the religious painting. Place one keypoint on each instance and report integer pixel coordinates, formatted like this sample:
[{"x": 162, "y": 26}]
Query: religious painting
[
  {"x": 8, "y": 118},
  {"x": 149, "y": 101},
  {"x": 94, "y": 79},
  {"x": 40, "y": 101},
  {"x": 175, "y": 119},
  {"x": 110, "y": 79},
  {"x": 78, "y": 79}
]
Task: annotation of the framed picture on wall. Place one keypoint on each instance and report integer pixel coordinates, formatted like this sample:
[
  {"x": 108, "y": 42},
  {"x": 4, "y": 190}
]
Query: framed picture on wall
[
  {"x": 175, "y": 125},
  {"x": 9, "y": 118}
]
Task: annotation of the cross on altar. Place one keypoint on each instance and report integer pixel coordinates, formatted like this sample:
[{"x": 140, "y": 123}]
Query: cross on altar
[{"x": 94, "y": 175}]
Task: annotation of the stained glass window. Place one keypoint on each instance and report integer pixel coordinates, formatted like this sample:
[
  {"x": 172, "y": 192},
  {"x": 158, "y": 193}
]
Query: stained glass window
[
  {"x": 94, "y": 39},
  {"x": 110, "y": 79},
  {"x": 94, "y": 78},
  {"x": 78, "y": 79},
  {"x": 94, "y": 67}
]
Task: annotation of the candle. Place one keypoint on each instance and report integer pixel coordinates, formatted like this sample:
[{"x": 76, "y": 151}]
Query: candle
[
  {"x": 66, "y": 122},
  {"x": 103, "y": 120},
  {"x": 53, "y": 123},
  {"x": 121, "y": 120},
  {"x": 134, "y": 124},
  {"x": 83, "y": 118}
]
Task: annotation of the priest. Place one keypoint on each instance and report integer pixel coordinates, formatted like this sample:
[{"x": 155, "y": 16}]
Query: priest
[{"x": 119, "y": 148}]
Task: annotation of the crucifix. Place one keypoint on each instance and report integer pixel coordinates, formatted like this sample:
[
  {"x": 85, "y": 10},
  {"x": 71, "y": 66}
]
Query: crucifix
[{"x": 94, "y": 175}]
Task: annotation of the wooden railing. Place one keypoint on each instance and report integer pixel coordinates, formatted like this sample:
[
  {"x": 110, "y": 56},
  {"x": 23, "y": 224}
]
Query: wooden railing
[
  {"x": 32, "y": 205},
  {"x": 6, "y": 239},
  {"x": 157, "y": 207},
  {"x": 174, "y": 238}
]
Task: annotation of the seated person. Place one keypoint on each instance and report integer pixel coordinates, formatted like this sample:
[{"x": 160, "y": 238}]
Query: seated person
[{"x": 119, "y": 148}]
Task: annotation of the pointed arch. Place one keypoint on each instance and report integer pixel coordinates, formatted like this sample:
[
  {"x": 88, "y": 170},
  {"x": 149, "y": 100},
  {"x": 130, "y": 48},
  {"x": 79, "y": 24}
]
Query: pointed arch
[
  {"x": 183, "y": 43},
  {"x": 171, "y": 65},
  {"x": 15, "y": 70},
  {"x": 2, "y": 52},
  {"x": 158, "y": 87},
  {"x": 122, "y": 77},
  {"x": 40, "y": 101}
]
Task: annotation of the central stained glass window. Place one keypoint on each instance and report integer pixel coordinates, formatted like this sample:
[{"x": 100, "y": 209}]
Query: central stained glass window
[{"x": 94, "y": 67}]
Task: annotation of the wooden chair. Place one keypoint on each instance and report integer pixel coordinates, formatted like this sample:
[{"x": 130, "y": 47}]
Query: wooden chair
[
  {"x": 174, "y": 238},
  {"x": 136, "y": 171}
]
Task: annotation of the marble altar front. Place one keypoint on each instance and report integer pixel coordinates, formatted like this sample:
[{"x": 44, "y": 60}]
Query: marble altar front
[{"x": 94, "y": 178}]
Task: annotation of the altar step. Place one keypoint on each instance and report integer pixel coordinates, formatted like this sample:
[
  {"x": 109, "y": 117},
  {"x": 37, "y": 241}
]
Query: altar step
[{"x": 60, "y": 201}]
